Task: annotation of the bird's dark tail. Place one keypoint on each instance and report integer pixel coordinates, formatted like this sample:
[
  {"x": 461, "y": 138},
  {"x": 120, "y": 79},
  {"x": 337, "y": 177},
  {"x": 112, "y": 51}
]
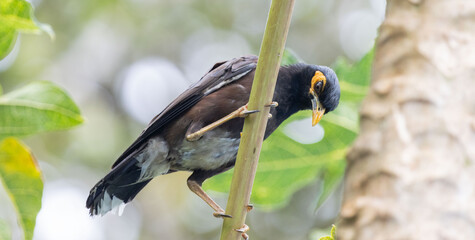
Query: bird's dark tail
[{"x": 118, "y": 187}]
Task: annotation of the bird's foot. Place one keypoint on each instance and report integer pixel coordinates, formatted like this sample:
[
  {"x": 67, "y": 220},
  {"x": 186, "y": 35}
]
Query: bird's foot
[
  {"x": 221, "y": 215},
  {"x": 272, "y": 104},
  {"x": 243, "y": 231},
  {"x": 244, "y": 112},
  {"x": 249, "y": 207}
]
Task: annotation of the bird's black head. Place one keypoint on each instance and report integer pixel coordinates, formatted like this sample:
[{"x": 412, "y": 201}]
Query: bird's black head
[{"x": 323, "y": 91}]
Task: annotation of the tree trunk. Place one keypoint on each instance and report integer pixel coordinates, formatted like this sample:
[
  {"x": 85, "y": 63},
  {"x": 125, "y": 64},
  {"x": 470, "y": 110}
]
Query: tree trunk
[{"x": 411, "y": 172}]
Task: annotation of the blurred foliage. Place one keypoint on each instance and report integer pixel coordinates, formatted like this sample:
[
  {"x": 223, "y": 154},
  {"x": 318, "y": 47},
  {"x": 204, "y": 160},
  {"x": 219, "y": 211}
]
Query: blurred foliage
[
  {"x": 21, "y": 178},
  {"x": 4, "y": 230},
  {"x": 354, "y": 78},
  {"x": 17, "y": 16},
  {"x": 38, "y": 107},
  {"x": 286, "y": 165},
  {"x": 289, "y": 57},
  {"x": 332, "y": 234}
]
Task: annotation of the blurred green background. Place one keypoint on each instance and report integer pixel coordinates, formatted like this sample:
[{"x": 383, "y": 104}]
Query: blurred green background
[{"x": 123, "y": 61}]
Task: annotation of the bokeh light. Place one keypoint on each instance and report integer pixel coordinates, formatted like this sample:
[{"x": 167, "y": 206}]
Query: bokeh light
[
  {"x": 60, "y": 218},
  {"x": 302, "y": 131},
  {"x": 148, "y": 86}
]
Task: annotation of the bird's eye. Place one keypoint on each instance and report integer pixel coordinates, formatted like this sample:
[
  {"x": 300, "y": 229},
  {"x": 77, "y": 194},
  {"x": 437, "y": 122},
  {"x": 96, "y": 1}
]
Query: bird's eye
[{"x": 318, "y": 86}]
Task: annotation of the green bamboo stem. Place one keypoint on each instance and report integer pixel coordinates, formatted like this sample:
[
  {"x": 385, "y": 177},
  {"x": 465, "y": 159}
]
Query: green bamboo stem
[{"x": 270, "y": 55}]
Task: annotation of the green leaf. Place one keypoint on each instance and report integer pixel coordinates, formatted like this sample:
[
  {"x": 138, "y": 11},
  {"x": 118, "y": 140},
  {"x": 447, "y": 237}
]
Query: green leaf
[
  {"x": 289, "y": 57},
  {"x": 354, "y": 78},
  {"x": 38, "y": 107},
  {"x": 286, "y": 165},
  {"x": 22, "y": 180},
  {"x": 17, "y": 16}
]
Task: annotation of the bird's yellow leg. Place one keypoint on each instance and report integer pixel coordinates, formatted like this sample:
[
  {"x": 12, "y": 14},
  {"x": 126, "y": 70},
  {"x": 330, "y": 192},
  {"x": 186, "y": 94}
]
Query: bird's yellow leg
[
  {"x": 219, "y": 211},
  {"x": 196, "y": 188},
  {"x": 240, "y": 112}
]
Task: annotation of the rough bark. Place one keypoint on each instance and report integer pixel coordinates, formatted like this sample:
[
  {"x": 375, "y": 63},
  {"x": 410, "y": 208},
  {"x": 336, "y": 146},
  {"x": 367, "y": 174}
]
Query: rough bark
[{"x": 411, "y": 172}]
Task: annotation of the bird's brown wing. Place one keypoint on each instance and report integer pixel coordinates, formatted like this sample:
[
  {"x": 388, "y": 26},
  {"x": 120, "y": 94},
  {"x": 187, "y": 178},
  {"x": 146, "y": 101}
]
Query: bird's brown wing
[{"x": 220, "y": 75}]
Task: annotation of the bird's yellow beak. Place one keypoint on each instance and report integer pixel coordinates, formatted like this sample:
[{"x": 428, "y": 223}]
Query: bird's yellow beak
[{"x": 317, "y": 109}]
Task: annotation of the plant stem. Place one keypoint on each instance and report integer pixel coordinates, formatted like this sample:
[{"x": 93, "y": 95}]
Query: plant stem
[{"x": 262, "y": 92}]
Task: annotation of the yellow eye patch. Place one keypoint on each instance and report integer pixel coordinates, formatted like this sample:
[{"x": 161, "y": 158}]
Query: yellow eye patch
[{"x": 317, "y": 78}]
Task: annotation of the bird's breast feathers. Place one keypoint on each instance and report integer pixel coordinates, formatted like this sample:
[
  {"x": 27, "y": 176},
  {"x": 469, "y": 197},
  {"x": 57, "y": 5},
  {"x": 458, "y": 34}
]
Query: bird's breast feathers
[{"x": 214, "y": 150}]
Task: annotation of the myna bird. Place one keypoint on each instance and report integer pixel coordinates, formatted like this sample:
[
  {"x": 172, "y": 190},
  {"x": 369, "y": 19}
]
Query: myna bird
[{"x": 200, "y": 130}]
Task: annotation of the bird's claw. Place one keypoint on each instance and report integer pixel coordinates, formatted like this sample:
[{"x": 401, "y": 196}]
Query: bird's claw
[
  {"x": 244, "y": 112},
  {"x": 221, "y": 215},
  {"x": 243, "y": 231},
  {"x": 272, "y": 104},
  {"x": 247, "y": 112},
  {"x": 249, "y": 207}
]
